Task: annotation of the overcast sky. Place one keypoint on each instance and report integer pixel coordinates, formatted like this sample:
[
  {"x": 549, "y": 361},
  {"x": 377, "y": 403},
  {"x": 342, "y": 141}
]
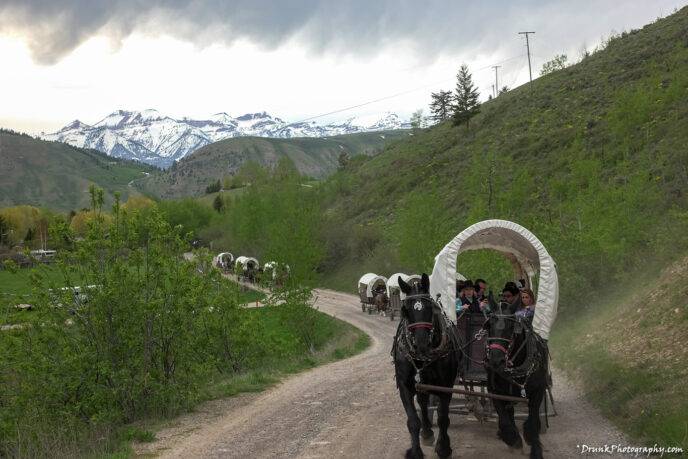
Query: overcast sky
[{"x": 69, "y": 59}]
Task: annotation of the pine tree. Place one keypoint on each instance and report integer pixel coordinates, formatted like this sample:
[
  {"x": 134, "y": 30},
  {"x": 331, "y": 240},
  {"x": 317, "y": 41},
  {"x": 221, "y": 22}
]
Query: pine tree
[
  {"x": 441, "y": 105},
  {"x": 218, "y": 203},
  {"x": 466, "y": 104}
]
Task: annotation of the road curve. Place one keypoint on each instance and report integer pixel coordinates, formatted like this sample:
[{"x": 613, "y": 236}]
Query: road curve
[{"x": 351, "y": 409}]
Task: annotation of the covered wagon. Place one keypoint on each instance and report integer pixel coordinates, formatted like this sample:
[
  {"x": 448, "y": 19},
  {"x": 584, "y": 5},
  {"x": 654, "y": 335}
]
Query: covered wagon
[
  {"x": 530, "y": 261},
  {"x": 246, "y": 269},
  {"x": 370, "y": 285},
  {"x": 395, "y": 294},
  {"x": 224, "y": 261}
]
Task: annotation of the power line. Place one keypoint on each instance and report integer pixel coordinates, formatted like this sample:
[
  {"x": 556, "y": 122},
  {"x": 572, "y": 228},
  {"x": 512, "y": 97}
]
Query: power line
[{"x": 392, "y": 96}]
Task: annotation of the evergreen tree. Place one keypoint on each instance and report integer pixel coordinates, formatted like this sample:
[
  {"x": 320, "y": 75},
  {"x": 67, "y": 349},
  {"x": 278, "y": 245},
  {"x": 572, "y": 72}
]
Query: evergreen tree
[
  {"x": 466, "y": 104},
  {"x": 441, "y": 105},
  {"x": 218, "y": 203},
  {"x": 213, "y": 187}
]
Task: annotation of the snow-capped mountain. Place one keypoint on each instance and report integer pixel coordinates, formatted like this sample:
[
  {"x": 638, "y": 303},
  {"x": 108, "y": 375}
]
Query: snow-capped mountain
[{"x": 154, "y": 138}]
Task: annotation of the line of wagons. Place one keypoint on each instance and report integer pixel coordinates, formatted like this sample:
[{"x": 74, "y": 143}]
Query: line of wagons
[
  {"x": 248, "y": 269},
  {"x": 530, "y": 261},
  {"x": 383, "y": 295}
]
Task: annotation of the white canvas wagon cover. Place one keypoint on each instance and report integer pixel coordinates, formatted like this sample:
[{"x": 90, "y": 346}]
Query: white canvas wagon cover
[
  {"x": 393, "y": 283},
  {"x": 527, "y": 254},
  {"x": 270, "y": 265},
  {"x": 242, "y": 260},
  {"x": 369, "y": 280}
]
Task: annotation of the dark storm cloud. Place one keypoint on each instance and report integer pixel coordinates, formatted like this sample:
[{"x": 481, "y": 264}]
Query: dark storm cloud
[{"x": 53, "y": 28}]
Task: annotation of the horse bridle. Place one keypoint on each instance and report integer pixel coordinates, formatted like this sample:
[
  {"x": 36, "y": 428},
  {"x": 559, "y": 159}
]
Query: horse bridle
[
  {"x": 491, "y": 345},
  {"x": 435, "y": 353},
  {"x": 426, "y": 325},
  {"x": 527, "y": 367}
]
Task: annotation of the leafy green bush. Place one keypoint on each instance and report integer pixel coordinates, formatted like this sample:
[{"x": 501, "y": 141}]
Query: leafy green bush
[{"x": 138, "y": 333}]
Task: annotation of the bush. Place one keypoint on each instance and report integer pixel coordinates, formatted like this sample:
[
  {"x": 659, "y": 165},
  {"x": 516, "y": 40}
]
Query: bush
[{"x": 144, "y": 337}]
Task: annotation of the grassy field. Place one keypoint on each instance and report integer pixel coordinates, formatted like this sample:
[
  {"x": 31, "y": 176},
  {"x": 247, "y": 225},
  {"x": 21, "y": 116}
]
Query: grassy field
[
  {"x": 21, "y": 282},
  {"x": 16, "y": 288}
]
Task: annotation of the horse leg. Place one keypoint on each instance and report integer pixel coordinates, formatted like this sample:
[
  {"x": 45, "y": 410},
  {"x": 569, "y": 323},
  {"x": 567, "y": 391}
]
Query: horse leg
[
  {"x": 531, "y": 427},
  {"x": 443, "y": 447},
  {"x": 412, "y": 420},
  {"x": 507, "y": 432},
  {"x": 426, "y": 433}
]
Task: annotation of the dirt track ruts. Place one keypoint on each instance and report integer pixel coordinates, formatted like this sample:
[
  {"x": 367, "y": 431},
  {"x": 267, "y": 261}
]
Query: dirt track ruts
[{"x": 351, "y": 409}]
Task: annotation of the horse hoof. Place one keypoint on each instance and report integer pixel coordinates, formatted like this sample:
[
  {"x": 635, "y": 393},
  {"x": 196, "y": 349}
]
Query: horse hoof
[
  {"x": 443, "y": 454},
  {"x": 411, "y": 454},
  {"x": 517, "y": 446},
  {"x": 427, "y": 437}
]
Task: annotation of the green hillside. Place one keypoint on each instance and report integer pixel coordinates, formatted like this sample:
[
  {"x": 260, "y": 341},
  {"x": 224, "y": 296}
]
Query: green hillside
[
  {"x": 56, "y": 175},
  {"x": 314, "y": 157},
  {"x": 594, "y": 160}
]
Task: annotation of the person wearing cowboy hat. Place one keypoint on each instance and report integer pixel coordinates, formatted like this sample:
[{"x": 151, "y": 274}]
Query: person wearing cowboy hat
[{"x": 468, "y": 298}]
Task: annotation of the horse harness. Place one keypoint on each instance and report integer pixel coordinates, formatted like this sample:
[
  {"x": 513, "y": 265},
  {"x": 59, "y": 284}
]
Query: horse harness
[
  {"x": 404, "y": 341},
  {"x": 532, "y": 360}
]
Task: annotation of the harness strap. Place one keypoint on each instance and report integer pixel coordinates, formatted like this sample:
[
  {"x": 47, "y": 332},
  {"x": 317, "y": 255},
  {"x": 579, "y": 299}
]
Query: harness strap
[
  {"x": 426, "y": 325},
  {"x": 499, "y": 347}
]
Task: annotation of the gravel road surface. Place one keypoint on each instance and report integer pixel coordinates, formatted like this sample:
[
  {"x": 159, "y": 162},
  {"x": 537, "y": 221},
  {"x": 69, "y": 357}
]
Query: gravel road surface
[{"x": 351, "y": 409}]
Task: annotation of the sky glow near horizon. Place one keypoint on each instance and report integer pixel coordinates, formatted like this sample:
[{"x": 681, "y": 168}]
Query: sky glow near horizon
[{"x": 294, "y": 79}]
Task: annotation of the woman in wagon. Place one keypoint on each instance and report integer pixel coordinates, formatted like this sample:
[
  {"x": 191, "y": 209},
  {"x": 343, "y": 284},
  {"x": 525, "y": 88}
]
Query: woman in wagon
[
  {"x": 527, "y": 309},
  {"x": 459, "y": 303}
]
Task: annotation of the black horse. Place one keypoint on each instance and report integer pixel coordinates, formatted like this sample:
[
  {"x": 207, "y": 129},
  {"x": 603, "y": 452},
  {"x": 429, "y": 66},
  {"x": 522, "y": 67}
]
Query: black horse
[
  {"x": 517, "y": 365},
  {"x": 425, "y": 350}
]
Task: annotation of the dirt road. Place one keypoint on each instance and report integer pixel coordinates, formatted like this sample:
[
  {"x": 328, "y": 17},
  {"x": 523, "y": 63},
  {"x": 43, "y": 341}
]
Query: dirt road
[{"x": 351, "y": 409}]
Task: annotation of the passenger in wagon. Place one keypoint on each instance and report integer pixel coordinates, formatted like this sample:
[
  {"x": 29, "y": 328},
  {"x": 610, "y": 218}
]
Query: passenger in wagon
[
  {"x": 481, "y": 289},
  {"x": 468, "y": 298},
  {"x": 459, "y": 303},
  {"x": 527, "y": 309},
  {"x": 510, "y": 293}
]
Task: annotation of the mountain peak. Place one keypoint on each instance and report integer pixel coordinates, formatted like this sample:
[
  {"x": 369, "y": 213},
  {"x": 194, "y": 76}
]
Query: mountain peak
[
  {"x": 222, "y": 118},
  {"x": 154, "y": 138},
  {"x": 76, "y": 124}
]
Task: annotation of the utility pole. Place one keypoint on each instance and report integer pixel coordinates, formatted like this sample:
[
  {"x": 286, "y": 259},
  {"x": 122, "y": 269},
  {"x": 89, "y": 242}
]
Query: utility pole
[
  {"x": 530, "y": 72},
  {"x": 496, "y": 85}
]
